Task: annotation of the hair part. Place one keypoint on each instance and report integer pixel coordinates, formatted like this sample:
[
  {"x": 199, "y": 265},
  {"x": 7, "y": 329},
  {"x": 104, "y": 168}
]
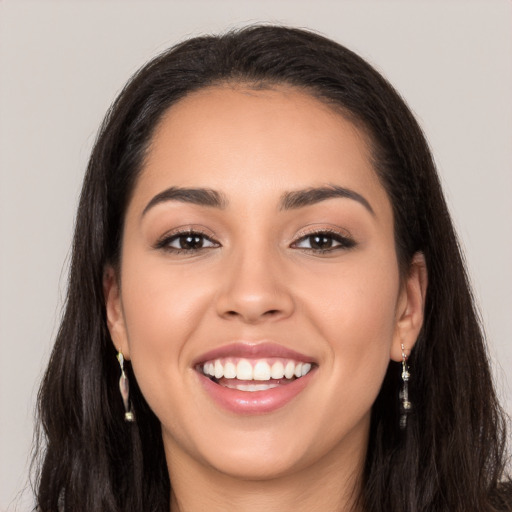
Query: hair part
[{"x": 450, "y": 458}]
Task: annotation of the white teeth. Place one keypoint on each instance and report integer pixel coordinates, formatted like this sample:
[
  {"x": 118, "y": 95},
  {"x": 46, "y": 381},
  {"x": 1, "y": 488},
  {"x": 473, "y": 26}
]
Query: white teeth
[
  {"x": 244, "y": 370},
  {"x": 289, "y": 370},
  {"x": 250, "y": 387},
  {"x": 260, "y": 370},
  {"x": 219, "y": 370},
  {"x": 229, "y": 370},
  {"x": 277, "y": 370},
  {"x": 305, "y": 369}
]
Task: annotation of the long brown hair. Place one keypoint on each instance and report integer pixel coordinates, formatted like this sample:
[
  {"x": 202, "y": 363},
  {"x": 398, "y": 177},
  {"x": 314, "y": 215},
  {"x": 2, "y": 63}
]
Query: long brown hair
[{"x": 450, "y": 458}]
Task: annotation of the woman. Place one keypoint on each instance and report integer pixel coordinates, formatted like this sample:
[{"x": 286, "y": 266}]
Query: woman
[{"x": 263, "y": 260}]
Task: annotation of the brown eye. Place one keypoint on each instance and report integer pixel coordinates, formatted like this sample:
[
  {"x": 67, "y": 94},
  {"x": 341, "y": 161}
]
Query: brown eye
[
  {"x": 190, "y": 242},
  {"x": 324, "y": 242},
  {"x": 321, "y": 242},
  {"x": 186, "y": 242}
]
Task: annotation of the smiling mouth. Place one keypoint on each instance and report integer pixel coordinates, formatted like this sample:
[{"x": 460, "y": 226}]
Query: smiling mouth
[{"x": 253, "y": 375}]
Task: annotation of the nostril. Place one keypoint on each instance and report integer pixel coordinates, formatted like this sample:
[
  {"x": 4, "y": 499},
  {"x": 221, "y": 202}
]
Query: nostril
[{"x": 269, "y": 313}]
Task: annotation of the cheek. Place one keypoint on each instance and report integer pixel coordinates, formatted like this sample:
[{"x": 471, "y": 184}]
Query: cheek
[
  {"x": 162, "y": 308},
  {"x": 355, "y": 312},
  {"x": 158, "y": 311},
  {"x": 161, "y": 300}
]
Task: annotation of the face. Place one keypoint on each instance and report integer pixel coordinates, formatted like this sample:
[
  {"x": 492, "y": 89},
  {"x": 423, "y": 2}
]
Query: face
[{"x": 259, "y": 297}]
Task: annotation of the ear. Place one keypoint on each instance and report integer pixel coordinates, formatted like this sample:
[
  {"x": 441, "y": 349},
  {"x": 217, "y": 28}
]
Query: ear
[
  {"x": 410, "y": 308},
  {"x": 115, "y": 316}
]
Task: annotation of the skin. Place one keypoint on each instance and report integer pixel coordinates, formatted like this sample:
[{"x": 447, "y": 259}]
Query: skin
[{"x": 260, "y": 280}]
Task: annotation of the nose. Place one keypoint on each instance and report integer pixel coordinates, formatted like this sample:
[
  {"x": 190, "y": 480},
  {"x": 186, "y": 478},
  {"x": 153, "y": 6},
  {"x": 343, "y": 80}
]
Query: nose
[{"x": 254, "y": 289}]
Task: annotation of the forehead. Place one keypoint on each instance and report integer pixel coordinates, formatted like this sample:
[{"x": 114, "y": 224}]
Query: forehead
[{"x": 246, "y": 141}]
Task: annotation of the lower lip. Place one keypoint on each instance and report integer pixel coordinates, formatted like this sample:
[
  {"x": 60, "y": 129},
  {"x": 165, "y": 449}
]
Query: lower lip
[{"x": 254, "y": 402}]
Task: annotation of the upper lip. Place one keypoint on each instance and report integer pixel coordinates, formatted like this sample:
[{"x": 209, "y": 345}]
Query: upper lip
[{"x": 253, "y": 350}]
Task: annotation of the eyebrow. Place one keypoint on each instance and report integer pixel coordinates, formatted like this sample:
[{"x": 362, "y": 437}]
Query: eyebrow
[
  {"x": 199, "y": 196},
  {"x": 307, "y": 197},
  {"x": 289, "y": 200}
]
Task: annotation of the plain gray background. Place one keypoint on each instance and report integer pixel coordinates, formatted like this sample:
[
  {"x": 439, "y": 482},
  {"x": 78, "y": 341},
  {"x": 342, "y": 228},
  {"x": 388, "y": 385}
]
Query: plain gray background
[{"x": 62, "y": 63}]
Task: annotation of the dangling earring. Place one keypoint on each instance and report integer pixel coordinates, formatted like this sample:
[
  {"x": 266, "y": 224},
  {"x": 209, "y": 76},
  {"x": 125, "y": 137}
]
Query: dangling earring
[
  {"x": 124, "y": 388},
  {"x": 404, "y": 393}
]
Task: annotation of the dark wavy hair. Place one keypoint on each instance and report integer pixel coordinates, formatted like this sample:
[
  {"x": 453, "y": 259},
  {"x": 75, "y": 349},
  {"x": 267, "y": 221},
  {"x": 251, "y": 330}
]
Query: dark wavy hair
[{"x": 451, "y": 457}]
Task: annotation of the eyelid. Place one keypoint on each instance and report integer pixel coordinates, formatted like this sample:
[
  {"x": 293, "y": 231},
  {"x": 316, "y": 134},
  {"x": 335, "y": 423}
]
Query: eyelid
[
  {"x": 317, "y": 229},
  {"x": 342, "y": 236},
  {"x": 163, "y": 240}
]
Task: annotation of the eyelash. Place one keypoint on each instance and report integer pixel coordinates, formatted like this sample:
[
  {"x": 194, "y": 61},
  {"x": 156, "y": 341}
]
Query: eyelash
[
  {"x": 166, "y": 240},
  {"x": 344, "y": 242}
]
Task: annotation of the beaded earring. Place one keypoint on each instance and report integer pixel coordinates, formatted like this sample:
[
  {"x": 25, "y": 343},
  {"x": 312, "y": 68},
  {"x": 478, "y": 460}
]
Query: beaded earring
[
  {"x": 404, "y": 392},
  {"x": 124, "y": 388}
]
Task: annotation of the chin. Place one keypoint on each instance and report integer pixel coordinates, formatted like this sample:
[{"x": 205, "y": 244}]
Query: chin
[{"x": 256, "y": 465}]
